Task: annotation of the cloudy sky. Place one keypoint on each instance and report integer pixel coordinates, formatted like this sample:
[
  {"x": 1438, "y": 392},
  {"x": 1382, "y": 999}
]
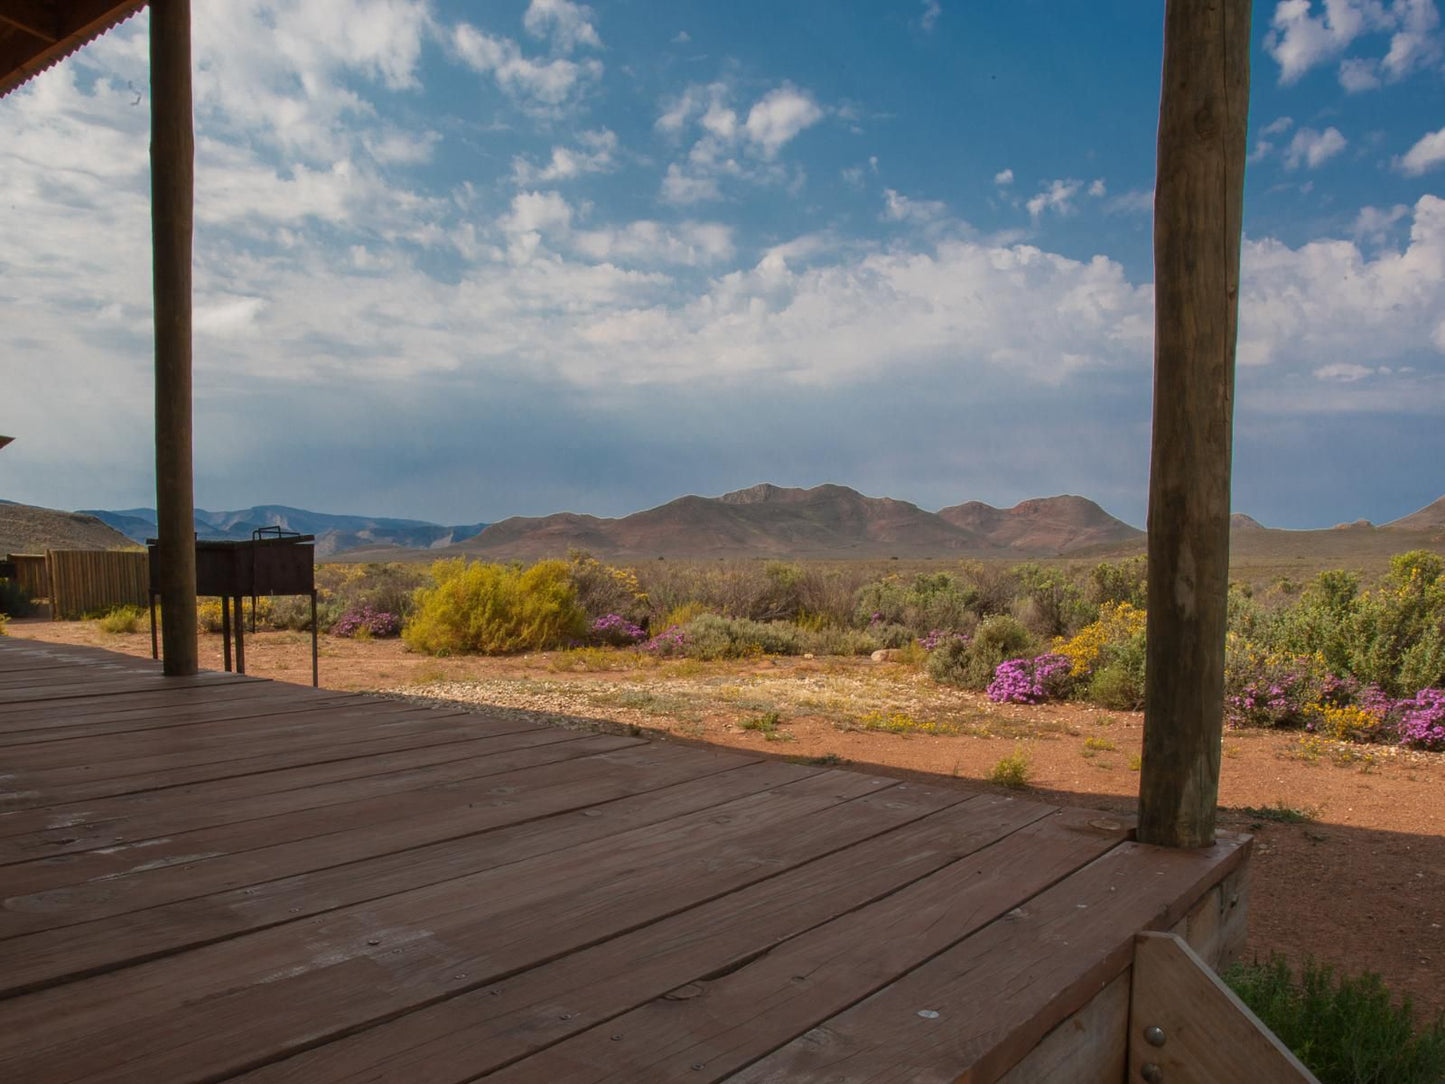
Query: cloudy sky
[{"x": 460, "y": 261}]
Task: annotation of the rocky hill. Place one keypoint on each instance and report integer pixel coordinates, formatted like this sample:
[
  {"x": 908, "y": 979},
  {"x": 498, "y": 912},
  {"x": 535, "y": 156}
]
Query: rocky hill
[
  {"x": 25, "y": 528},
  {"x": 826, "y": 521}
]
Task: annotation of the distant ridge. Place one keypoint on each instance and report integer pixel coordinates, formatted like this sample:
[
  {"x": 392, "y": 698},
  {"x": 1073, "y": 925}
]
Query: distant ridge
[
  {"x": 333, "y": 533},
  {"x": 826, "y": 521},
  {"x": 1429, "y": 518}
]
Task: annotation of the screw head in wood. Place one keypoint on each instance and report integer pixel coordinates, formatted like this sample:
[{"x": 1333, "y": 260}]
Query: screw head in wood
[
  {"x": 1154, "y": 1035},
  {"x": 1151, "y": 1073}
]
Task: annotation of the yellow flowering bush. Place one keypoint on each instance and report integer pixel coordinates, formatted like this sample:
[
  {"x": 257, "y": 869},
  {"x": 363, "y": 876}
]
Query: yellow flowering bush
[
  {"x": 1119, "y": 622},
  {"x": 495, "y": 609}
]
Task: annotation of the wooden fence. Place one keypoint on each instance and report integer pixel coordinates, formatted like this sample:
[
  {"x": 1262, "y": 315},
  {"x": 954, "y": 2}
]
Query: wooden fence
[
  {"x": 87, "y": 581},
  {"x": 30, "y": 574}
]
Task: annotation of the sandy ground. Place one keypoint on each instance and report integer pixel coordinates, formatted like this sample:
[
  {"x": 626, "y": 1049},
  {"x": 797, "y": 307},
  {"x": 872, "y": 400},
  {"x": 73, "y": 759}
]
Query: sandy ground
[{"x": 1349, "y": 862}]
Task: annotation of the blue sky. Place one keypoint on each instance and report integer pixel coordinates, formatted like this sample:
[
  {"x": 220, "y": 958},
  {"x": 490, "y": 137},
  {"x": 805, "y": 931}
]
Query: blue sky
[{"x": 462, "y": 261}]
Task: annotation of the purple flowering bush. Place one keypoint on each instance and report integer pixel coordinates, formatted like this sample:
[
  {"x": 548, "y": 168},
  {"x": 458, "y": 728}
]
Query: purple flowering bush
[
  {"x": 667, "y": 643},
  {"x": 1422, "y": 720},
  {"x": 1269, "y": 689},
  {"x": 1030, "y": 681},
  {"x": 936, "y": 637},
  {"x": 617, "y": 630},
  {"x": 366, "y": 620}
]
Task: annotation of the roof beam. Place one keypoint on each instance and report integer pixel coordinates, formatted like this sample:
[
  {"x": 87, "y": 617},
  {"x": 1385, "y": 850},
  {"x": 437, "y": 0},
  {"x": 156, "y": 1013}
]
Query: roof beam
[{"x": 48, "y": 32}]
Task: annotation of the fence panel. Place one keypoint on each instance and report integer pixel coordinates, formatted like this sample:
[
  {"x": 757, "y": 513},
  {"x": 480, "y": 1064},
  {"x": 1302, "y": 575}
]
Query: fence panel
[
  {"x": 85, "y": 581},
  {"x": 30, "y": 574}
]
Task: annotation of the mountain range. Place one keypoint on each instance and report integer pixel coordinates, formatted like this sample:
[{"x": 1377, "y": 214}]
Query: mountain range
[
  {"x": 826, "y": 521},
  {"x": 333, "y": 533}
]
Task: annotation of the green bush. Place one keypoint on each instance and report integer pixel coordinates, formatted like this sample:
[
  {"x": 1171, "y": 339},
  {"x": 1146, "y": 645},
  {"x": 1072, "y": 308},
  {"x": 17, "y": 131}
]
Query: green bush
[
  {"x": 1117, "y": 679},
  {"x": 1051, "y": 603},
  {"x": 1345, "y": 1031},
  {"x": 495, "y": 609},
  {"x": 122, "y": 619},
  {"x": 712, "y": 637},
  {"x": 1126, "y": 581},
  {"x": 971, "y": 663},
  {"x": 920, "y": 604}
]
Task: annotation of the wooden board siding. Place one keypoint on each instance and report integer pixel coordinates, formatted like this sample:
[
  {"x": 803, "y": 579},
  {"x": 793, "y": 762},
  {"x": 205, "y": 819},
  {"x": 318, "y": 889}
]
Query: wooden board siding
[
  {"x": 89, "y": 581},
  {"x": 217, "y": 877}
]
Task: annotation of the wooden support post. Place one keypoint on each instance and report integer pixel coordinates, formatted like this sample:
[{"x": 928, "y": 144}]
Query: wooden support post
[
  {"x": 172, "y": 212},
  {"x": 1198, "y": 201}
]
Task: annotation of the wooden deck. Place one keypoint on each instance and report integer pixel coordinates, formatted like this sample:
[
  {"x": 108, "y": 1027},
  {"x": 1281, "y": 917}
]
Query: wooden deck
[{"x": 220, "y": 877}]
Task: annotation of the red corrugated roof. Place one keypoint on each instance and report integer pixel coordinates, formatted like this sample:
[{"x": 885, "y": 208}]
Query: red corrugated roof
[{"x": 37, "y": 34}]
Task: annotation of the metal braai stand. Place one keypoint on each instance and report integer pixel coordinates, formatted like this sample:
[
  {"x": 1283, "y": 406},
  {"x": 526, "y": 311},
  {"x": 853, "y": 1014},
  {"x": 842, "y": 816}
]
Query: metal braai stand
[{"x": 272, "y": 563}]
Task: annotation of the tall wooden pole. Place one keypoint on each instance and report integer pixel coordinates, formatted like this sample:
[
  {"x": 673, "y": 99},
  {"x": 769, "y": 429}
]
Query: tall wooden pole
[
  {"x": 172, "y": 193},
  {"x": 1198, "y": 202}
]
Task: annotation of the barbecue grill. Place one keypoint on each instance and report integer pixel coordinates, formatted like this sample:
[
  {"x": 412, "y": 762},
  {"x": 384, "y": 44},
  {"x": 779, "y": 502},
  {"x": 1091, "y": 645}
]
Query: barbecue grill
[{"x": 272, "y": 562}]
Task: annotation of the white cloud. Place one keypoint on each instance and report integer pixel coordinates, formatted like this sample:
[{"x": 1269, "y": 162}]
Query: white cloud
[
  {"x": 1414, "y": 44},
  {"x": 682, "y": 37},
  {"x": 1359, "y": 74},
  {"x": 1278, "y": 126},
  {"x": 597, "y": 154},
  {"x": 899, "y": 208},
  {"x": 779, "y": 116},
  {"x": 541, "y": 85},
  {"x": 1324, "y": 304},
  {"x": 568, "y": 25},
  {"x": 1344, "y": 372},
  {"x": 1374, "y": 224},
  {"x": 1427, "y": 153},
  {"x": 1097, "y": 189},
  {"x": 932, "y": 9},
  {"x": 1056, "y": 196},
  {"x": 730, "y": 145},
  {"x": 648, "y": 243},
  {"x": 1299, "y": 39},
  {"x": 1003, "y": 177},
  {"x": 1137, "y": 201},
  {"x": 679, "y": 187},
  {"x": 1311, "y": 148}
]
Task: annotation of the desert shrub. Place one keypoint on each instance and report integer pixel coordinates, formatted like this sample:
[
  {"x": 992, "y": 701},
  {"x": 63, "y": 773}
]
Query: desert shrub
[
  {"x": 495, "y": 609},
  {"x": 603, "y": 589},
  {"x": 122, "y": 619},
  {"x": 364, "y": 622},
  {"x": 1392, "y": 636},
  {"x": 1091, "y": 647},
  {"x": 1345, "y": 1030},
  {"x": 918, "y": 603},
  {"x": 1011, "y": 771},
  {"x": 670, "y": 642},
  {"x": 993, "y": 587},
  {"x": 1030, "y": 681},
  {"x": 1117, "y": 683},
  {"x": 616, "y": 630},
  {"x": 1422, "y": 720},
  {"x": 1050, "y": 603},
  {"x": 714, "y": 637},
  {"x": 1265, "y": 689},
  {"x": 831, "y": 640},
  {"x": 972, "y": 663},
  {"x": 294, "y": 612},
  {"x": 884, "y": 634},
  {"x": 1123, "y": 581}
]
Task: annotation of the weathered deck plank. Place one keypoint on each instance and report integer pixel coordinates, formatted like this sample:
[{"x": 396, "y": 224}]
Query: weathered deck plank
[{"x": 210, "y": 879}]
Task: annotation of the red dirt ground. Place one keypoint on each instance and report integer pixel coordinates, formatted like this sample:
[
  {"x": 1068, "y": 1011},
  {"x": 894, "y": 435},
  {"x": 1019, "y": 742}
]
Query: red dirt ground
[{"x": 1359, "y": 883}]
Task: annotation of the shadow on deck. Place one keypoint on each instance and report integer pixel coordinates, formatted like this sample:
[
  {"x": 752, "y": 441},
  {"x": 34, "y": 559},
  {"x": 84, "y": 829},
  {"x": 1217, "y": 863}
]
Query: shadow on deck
[{"x": 222, "y": 877}]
